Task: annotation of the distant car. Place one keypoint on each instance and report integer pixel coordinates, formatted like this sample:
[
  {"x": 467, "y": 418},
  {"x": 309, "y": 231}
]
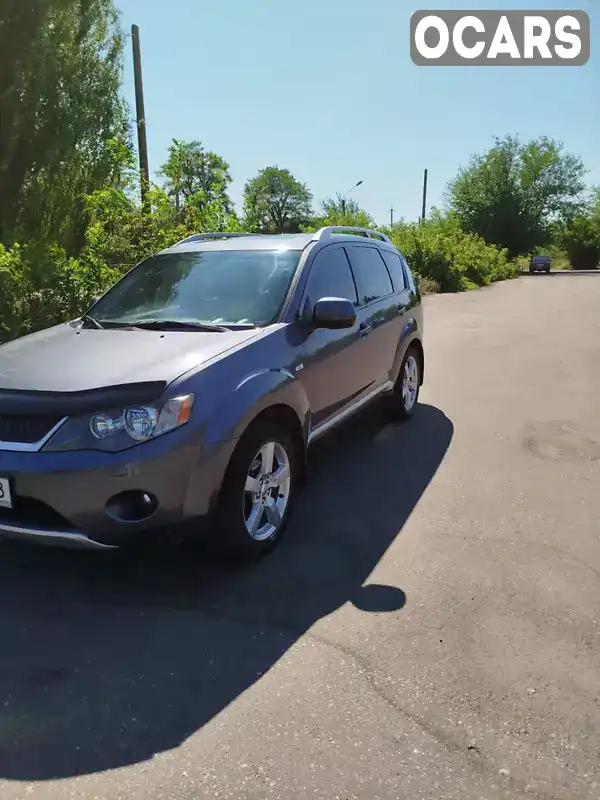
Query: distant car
[
  {"x": 540, "y": 264},
  {"x": 192, "y": 389}
]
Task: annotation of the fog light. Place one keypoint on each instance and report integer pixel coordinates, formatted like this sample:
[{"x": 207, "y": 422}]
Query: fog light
[{"x": 132, "y": 506}]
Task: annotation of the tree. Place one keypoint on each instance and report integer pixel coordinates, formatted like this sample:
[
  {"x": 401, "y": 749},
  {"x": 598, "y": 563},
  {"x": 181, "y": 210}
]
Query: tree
[
  {"x": 580, "y": 236},
  {"x": 196, "y": 176},
  {"x": 512, "y": 194},
  {"x": 275, "y": 202},
  {"x": 60, "y": 96},
  {"x": 340, "y": 211}
]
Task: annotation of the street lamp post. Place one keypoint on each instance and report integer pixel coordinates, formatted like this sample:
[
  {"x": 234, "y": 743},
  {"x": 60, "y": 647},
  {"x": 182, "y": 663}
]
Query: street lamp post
[{"x": 343, "y": 198}]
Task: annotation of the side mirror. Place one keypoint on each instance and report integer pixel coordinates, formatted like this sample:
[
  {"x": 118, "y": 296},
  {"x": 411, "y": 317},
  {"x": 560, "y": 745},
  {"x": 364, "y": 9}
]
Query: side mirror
[{"x": 334, "y": 313}]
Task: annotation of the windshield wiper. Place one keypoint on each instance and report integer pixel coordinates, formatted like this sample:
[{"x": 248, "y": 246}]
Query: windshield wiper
[
  {"x": 177, "y": 324},
  {"x": 92, "y": 321}
]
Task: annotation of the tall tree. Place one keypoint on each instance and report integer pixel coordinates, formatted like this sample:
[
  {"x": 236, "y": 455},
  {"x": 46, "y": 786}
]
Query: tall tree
[
  {"x": 60, "y": 108},
  {"x": 512, "y": 194},
  {"x": 275, "y": 202},
  {"x": 196, "y": 176}
]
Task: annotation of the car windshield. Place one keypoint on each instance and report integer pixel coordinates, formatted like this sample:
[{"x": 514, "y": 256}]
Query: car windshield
[{"x": 220, "y": 287}]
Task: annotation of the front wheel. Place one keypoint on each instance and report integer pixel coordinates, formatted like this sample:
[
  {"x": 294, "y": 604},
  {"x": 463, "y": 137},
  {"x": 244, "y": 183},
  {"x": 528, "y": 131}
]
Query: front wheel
[
  {"x": 405, "y": 395},
  {"x": 257, "y": 492}
]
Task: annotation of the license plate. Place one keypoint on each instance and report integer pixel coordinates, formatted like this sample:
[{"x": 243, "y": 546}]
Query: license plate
[{"x": 5, "y": 498}]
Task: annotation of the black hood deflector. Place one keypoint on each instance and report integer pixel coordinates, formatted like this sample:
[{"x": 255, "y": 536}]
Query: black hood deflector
[{"x": 70, "y": 404}]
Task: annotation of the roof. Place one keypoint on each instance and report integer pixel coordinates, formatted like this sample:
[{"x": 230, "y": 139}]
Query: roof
[{"x": 292, "y": 241}]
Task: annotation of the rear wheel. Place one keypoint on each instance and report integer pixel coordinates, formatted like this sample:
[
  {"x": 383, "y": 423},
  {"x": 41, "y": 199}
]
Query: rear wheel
[
  {"x": 405, "y": 395},
  {"x": 257, "y": 492}
]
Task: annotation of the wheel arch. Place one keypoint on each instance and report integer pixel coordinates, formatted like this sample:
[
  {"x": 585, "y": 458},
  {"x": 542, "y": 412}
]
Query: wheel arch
[
  {"x": 415, "y": 342},
  {"x": 286, "y": 416},
  {"x": 417, "y": 345}
]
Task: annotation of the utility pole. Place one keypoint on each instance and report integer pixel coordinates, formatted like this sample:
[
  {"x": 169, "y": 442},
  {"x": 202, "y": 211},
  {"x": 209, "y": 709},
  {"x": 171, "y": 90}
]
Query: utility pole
[
  {"x": 424, "y": 208},
  {"x": 141, "y": 117},
  {"x": 392, "y": 217}
]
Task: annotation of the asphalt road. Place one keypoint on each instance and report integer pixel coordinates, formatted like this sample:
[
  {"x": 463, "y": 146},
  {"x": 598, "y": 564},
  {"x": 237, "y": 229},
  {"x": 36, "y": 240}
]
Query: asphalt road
[{"x": 429, "y": 628}]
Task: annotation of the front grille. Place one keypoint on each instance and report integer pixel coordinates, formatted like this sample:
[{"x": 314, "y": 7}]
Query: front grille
[{"x": 26, "y": 428}]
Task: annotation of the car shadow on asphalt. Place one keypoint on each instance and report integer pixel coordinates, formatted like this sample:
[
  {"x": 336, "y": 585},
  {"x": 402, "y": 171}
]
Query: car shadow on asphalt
[{"x": 107, "y": 661}]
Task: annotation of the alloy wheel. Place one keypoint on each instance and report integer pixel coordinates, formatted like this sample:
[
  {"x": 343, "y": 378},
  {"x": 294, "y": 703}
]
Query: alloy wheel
[
  {"x": 410, "y": 383},
  {"x": 267, "y": 491}
]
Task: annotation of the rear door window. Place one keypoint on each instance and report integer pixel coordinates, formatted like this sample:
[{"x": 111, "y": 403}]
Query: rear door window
[
  {"x": 394, "y": 265},
  {"x": 372, "y": 277}
]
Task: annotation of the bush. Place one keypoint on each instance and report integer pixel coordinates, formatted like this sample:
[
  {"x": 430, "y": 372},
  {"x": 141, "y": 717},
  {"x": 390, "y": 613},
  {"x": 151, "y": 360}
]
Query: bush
[
  {"x": 40, "y": 286},
  {"x": 440, "y": 251},
  {"x": 582, "y": 241},
  {"x": 427, "y": 286}
]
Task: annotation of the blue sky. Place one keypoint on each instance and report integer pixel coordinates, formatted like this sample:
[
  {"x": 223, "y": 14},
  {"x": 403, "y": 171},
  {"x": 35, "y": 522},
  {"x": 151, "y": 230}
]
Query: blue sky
[{"x": 327, "y": 89}]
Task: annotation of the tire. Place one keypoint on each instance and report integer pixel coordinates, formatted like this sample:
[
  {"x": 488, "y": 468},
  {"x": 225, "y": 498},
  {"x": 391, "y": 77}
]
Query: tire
[
  {"x": 409, "y": 378},
  {"x": 547, "y": 272},
  {"x": 269, "y": 507},
  {"x": 531, "y": 270}
]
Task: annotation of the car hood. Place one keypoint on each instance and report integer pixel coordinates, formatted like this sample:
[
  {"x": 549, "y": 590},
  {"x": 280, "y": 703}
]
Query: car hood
[{"x": 68, "y": 358}]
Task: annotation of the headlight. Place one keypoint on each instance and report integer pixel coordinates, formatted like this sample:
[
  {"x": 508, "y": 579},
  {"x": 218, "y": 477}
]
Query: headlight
[{"x": 144, "y": 422}]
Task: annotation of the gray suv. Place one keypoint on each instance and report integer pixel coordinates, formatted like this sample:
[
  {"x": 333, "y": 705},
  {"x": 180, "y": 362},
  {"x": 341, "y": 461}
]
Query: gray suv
[{"x": 192, "y": 389}]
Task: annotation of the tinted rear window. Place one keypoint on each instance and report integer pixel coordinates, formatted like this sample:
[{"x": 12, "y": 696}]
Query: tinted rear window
[
  {"x": 372, "y": 278},
  {"x": 394, "y": 265}
]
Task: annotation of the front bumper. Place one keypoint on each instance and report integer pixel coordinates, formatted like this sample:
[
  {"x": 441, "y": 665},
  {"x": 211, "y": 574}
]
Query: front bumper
[{"x": 67, "y": 498}]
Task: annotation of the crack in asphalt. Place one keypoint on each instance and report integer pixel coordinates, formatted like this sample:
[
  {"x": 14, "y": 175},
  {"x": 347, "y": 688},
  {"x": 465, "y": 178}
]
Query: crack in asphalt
[
  {"x": 482, "y": 764},
  {"x": 478, "y": 762}
]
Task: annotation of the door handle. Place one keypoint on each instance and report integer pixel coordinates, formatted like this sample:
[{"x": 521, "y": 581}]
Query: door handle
[
  {"x": 401, "y": 309},
  {"x": 365, "y": 329}
]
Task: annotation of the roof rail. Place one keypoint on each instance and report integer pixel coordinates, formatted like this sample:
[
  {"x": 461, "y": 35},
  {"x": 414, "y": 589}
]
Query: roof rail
[
  {"x": 201, "y": 237},
  {"x": 331, "y": 230}
]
